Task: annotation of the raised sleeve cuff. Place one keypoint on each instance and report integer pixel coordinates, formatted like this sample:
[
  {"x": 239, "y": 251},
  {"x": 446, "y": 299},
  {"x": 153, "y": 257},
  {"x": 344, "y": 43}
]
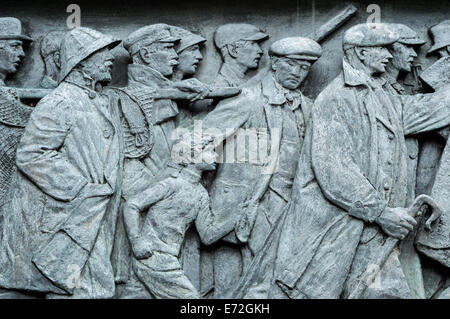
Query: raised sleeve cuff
[{"x": 367, "y": 211}]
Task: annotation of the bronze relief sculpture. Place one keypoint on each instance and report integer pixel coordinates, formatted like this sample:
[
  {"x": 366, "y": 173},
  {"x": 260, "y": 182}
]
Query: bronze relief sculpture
[{"x": 194, "y": 162}]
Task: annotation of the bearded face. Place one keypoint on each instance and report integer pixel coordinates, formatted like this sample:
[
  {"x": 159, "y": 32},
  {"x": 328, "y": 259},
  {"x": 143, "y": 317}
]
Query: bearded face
[{"x": 99, "y": 66}]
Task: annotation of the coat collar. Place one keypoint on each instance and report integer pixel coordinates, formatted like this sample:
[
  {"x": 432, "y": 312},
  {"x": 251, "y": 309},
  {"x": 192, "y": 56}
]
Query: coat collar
[
  {"x": 147, "y": 76},
  {"x": 232, "y": 74},
  {"x": 275, "y": 93}
]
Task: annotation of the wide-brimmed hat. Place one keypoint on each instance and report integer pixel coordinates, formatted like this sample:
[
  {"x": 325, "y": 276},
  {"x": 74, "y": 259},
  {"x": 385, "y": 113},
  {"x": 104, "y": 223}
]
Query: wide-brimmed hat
[
  {"x": 11, "y": 29},
  {"x": 79, "y": 44},
  {"x": 441, "y": 36}
]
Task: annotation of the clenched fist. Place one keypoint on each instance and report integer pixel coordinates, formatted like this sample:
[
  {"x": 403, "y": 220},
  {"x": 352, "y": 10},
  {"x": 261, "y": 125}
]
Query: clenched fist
[{"x": 396, "y": 222}]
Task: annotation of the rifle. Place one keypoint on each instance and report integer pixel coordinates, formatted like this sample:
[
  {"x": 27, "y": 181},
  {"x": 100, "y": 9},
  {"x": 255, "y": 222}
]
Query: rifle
[{"x": 175, "y": 94}]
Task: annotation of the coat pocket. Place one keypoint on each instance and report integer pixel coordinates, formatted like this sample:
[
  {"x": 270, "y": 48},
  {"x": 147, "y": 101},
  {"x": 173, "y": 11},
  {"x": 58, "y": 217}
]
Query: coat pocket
[{"x": 54, "y": 213}]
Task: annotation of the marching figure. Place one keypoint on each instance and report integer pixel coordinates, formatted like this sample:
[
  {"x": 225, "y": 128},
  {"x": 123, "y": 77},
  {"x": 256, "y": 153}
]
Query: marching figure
[
  {"x": 51, "y": 55},
  {"x": 63, "y": 203},
  {"x": 257, "y": 192},
  {"x": 350, "y": 191},
  {"x": 169, "y": 207},
  {"x": 238, "y": 44},
  {"x": 14, "y": 115}
]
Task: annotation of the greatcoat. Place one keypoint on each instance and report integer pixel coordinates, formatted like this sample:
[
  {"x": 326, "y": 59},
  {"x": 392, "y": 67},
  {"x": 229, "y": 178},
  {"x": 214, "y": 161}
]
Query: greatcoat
[
  {"x": 61, "y": 212},
  {"x": 353, "y": 165}
]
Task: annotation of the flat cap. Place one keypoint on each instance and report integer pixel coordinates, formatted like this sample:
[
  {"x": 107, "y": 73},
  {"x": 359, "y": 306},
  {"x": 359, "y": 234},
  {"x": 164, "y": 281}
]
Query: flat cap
[
  {"x": 296, "y": 48},
  {"x": 186, "y": 37},
  {"x": 11, "y": 29},
  {"x": 406, "y": 35},
  {"x": 232, "y": 32},
  {"x": 369, "y": 35},
  {"x": 159, "y": 32},
  {"x": 441, "y": 35}
]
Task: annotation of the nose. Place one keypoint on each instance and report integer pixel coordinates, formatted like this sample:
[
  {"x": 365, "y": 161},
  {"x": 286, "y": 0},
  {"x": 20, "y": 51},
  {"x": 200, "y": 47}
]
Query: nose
[
  {"x": 199, "y": 55},
  {"x": 388, "y": 55},
  {"x": 173, "y": 54},
  {"x": 413, "y": 53},
  {"x": 20, "y": 53},
  {"x": 260, "y": 51}
]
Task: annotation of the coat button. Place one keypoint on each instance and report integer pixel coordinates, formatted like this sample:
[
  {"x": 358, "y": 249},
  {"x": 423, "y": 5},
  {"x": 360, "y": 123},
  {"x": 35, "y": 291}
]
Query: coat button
[
  {"x": 390, "y": 137},
  {"x": 358, "y": 204},
  {"x": 92, "y": 95},
  {"x": 226, "y": 189},
  {"x": 413, "y": 155},
  {"x": 386, "y": 186},
  {"x": 106, "y": 133}
]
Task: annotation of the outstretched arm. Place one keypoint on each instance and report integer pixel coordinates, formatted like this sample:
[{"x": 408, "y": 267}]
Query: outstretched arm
[{"x": 426, "y": 112}]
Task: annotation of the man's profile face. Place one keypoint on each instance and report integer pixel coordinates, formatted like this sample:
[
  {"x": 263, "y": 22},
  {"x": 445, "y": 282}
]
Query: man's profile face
[
  {"x": 162, "y": 57},
  {"x": 375, "y": 58},
  {"x": 402, "y": 56},
  {"x": 248, "y": 53},
  {"x": 290, "y": 73},
  {"x": 11, "y": 54},
  {"x": 189, "y": 59},
  {"x": 99, "y": 65}
]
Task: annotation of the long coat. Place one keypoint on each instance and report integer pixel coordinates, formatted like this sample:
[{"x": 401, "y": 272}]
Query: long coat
[
  {"x": 252, "y": 109},
  {"x": 62, "y": 206},
  {"x": 352, "y": 166},
  {"x": 256, "y": 107}
]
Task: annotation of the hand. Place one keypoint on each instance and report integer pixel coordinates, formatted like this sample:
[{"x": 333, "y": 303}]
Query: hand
[
  {"x": 141, "y": 249},
  {"x": 198, "y": 89},
  {"x": 246, "y": 221},
  {"x": 396, "y": 222}
]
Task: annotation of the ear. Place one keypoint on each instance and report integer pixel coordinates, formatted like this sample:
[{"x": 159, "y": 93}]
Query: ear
[
  {"x": 232, "y": 50},
  {"x": 144, "y": 54},
  {"x": 57, "y": 59},
  {"x": 274, "y": 63},
  {"x": 360, "y": 53}
]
